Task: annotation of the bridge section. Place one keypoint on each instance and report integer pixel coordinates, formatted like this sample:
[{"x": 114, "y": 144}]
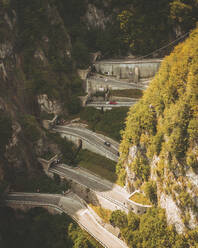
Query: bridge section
[
  {"x": 98, "y": 191},
  {"x": 131, "y": 69},
  {"x": 71, "y": 205}
]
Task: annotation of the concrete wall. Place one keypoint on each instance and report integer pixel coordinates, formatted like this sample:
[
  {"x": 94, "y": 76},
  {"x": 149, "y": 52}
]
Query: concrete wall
[
  {"x": 93, "y": 197},
  {"x": 94, "y": 86},
  {"x": 128, "y": 69},
  {"x": 25, "y": 207},
  {"x": 99, "y": 199}
]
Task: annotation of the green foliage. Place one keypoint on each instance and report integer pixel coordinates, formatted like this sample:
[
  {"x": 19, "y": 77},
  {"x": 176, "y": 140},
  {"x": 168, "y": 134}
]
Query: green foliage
[
  {"x": 119, "y": 219},
  {"x": 80, "y": 238},
  {"x": 183, "y": 13},
  {"x": 133, "y": 221},
  {"x": 103, "y": 213},
  {"x": 192, "y": 161},
  {"x": 109, "y": 122},
  {"x": 150, "y": 190},
  {"x": 140, "y": 166},
  {"x": 185, "y": 199},
  {"x": 151, "y": 230},
  {"x": 31, "y": 128},
  {"x": 20, "y": 180},
  {"x": 164, "y": 122},
  {"x": 66, "y": 147},
  {"x": 140, "y": 198},
  {"x": 140, "y": 30},
  {"x": 5, "y": 131},
  {"x": 44, "y": 230}
]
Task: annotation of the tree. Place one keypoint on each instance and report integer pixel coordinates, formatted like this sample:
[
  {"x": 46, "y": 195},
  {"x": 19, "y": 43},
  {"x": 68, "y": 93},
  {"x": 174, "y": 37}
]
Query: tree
[
  {"x": 150, "y": 190},
  {"x": 119, "y": 219}
]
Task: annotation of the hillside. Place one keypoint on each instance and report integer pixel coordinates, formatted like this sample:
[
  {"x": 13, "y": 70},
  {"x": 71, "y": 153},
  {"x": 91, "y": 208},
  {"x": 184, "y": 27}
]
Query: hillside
[
  {"x": 44, "y": 47},
  {"x": 159, "y": 148}
]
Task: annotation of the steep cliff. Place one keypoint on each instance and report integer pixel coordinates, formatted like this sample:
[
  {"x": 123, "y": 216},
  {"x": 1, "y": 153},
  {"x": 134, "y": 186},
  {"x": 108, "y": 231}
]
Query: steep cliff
[
  {"x": 38, "y": 78},
  {"x": 159, "y": 148}
]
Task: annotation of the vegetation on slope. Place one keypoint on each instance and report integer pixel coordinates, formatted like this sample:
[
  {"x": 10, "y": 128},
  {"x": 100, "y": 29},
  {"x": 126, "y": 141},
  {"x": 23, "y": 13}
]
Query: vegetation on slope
[
  {"x": 151, "y": 230},
  {"x": 37, "y": 228},
  {"x": 165, "y": 124},
  {"x": 109, "y": 123}
]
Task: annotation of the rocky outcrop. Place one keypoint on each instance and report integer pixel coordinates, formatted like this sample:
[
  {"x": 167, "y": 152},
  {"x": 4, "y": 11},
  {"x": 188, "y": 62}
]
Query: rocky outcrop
[
  {"x": 49, "y": 106},
  {"x": 159, "y": 143},
  {"x": 95, "y": 17}
]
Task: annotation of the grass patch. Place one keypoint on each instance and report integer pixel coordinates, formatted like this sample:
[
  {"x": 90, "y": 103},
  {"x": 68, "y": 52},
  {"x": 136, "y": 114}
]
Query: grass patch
[
  {"x": 133, "y": 93},
  {"x": 140, "y": 198},
  {"x": 97, "y": 164},
  {"x": 103, "y": 213}
]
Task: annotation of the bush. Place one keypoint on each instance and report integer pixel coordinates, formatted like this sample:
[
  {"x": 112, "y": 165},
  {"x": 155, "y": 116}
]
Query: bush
[
  {"x": 150, "y": 190},
  {"x": 66, "y": 147},
  {"x": 119, "y": 219}
]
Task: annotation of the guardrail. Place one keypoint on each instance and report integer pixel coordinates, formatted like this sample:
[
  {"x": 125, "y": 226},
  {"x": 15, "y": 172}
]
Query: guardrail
[
  {"x": 123, "y": 84},
  {"x": 60, "y": 210},
  {"x": 111, "y": 155},
  {"x": 98, "y": 136},
  {"x": 118, "y": 204}
]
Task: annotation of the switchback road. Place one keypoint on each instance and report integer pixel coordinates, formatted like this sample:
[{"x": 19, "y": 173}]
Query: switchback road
[
  {"x": 104, "y": 188},
  {"x": 73, "y": 206},
  {"x": 92, "y": 138}
]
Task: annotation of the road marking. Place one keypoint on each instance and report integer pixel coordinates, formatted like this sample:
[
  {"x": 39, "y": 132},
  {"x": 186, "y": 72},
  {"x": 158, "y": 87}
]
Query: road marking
[{"x": 83, "y": 212}]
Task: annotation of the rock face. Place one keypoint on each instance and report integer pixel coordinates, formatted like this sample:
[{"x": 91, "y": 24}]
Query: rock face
[
  {"x": 31, "y": 79},
  {"x": 95, "y": 17},
  {"x": 160, "y": 143},
  {"x": 49, "y": 106}
]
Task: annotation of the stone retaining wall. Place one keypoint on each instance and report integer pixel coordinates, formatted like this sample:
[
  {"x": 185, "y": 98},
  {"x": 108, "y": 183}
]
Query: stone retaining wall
[{"x": 128, "y": 69}]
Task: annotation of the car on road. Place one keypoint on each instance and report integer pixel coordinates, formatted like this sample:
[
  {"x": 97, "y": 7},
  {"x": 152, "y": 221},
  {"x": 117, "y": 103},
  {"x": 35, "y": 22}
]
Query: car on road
[
  {"x": 107, "y": 143},
  {"x": 111, "y": 102}
]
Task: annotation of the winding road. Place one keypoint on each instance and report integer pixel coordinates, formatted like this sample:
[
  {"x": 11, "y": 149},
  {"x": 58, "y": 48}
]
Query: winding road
[
  {"x": 111, "y": 192},
  {"x": 108, "y": 105},
  {"x": 117, "y": 84},
  {"x": 92, "y": 138},
  {"x": 72, "y": 205}
]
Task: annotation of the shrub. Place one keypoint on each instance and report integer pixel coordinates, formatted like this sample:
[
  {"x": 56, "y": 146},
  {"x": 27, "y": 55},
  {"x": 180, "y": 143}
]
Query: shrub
[
  {"x": 150, "y": 190},
  {"x": 119, "y": 219}
]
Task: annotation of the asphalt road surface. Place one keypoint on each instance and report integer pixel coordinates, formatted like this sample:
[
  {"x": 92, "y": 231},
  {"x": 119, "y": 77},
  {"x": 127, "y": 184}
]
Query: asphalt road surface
[
  {"x": 120, "y": 84},
  {"x": 90, "y": 136},
  {"x": 108, "y": 190},
  {"x": 71, "y": 205},
  {"x": 107, "y": 104}
]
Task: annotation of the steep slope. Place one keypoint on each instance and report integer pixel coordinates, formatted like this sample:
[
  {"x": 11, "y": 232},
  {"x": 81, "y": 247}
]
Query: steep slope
[
  {"x": 159, "y": 148},
  {"x": 38, "y": 77}
]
